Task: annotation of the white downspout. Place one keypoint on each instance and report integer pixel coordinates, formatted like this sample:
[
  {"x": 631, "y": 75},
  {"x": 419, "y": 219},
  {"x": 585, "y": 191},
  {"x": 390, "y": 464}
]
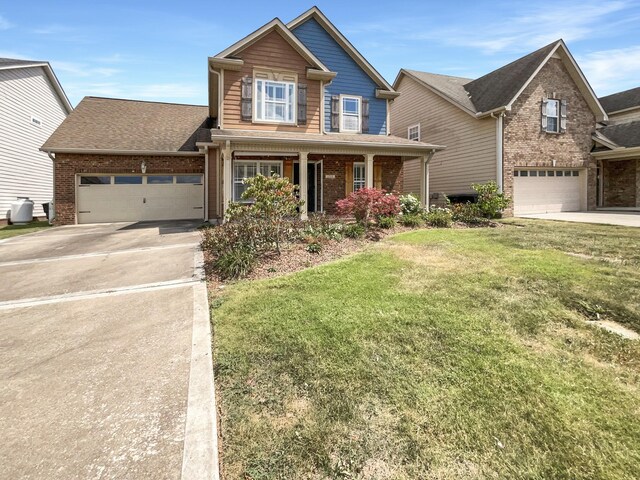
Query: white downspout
[
  {"x": 206, "y": 183},
  {"x": 52, "y": 211},
  {"x": 499, "y": 151},
  {"x": 220, "y": 89}
]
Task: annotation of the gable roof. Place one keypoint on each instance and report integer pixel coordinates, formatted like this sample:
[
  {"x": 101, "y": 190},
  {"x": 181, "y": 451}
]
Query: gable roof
[
  {"x": 448, "y": 87},
  {"x": 499, "y": 89},
  {"x": 274, "y": 25},
  {"x": 316, "y": 13},
  {"x": 625, "y": 135},
  {"x": 617, "y": 102},
  {"x": 110, "y": 125},
  {"x": 12, "y": 63}
]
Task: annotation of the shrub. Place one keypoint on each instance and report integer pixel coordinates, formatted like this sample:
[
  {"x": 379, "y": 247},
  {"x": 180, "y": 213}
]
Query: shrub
[
  {"x": 386, "y": 222},
  {"x": 231, "y": 248},
  {"x": 236, "y": 263},
  {"x": 314, "y": 247},
  {"x": 439, "y": 217},
  {"x": 411, "y": 220},
  {"x": 491, "y": 203},
  {"x": 322, "y": 226},
  {"x": 468, "y": 213},
  {"x": 355, "y": 230},
  {"x": 410, "y": 204},
  {"x": 367, "y": 203}
]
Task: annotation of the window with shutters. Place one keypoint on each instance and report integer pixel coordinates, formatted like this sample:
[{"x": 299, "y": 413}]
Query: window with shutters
[
  {"x": 413, "y": 132},
  {"x": 350, "y": 114},
  {"x": 358, "y": 176},
  {"x": 248, "y": 169},
  {"x": 554, "y": 115},
  {"x": 275, "y": 101}
]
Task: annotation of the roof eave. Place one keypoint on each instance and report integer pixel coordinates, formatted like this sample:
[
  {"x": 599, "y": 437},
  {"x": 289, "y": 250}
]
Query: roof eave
[
  {"x": 387, "y": 94},
  {"x": 323, "y": 76},
  {"x": 226, "y": 63},
  {"x": 108, "y": 151},
  {"x": 620, "y": 152}
]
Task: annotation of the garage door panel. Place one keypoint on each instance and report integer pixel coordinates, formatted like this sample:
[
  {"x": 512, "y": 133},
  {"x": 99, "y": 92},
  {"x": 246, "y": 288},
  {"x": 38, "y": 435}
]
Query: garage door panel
[
  {"x": 549, "y": 193},
  {"x": 140, "y": 202}
]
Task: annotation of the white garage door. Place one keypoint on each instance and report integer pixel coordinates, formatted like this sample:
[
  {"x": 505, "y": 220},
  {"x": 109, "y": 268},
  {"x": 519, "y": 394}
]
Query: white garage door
[
  {"x": 132, "y": 198},
  {"x": 548, "y": 191}
]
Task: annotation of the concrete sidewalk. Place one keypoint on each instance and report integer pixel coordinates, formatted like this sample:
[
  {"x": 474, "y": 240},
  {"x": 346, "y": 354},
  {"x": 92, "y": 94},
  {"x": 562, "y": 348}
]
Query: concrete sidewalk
[
  {"x": 625, "y": 219},
  {"x": 105, "y": 360}
]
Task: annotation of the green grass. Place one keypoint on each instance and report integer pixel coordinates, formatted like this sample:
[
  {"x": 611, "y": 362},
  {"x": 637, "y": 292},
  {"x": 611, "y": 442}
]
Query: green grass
[
  {"x": 444, "y": 354},
  {"x": 14, "y": 230}
]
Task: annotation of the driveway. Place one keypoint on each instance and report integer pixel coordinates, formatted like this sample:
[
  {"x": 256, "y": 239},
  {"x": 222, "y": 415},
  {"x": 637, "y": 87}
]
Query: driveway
[
  {"x": 105, "y": 359},
  {"x": 625, "y": 219}
]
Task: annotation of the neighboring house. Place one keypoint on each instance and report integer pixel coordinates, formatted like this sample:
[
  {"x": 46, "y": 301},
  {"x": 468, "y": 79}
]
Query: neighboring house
[
  {"x": 32, "y": 105},
  {"x": 617, "y": 150},
  {"x": 294, "y": 99},
  {"x": 527, "y": 126}
]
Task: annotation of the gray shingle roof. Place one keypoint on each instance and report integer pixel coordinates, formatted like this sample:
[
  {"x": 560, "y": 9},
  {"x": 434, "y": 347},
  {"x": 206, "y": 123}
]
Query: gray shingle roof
[
  {"x": 452, "y": 87},
  {"x": 130, "y": 125},
  {"x": 493, "y": 90},
  {"x": 621, "y": 100},
  {"x": 624, "y": 134},
  {"x": 14, "y": 62},
  {"x": 497, "y": 89}
]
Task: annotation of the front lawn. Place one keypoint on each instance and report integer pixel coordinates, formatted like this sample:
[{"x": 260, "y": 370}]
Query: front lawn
[
  {"x": 444, "y": 354},
  {"x": 14, "y": 230}
]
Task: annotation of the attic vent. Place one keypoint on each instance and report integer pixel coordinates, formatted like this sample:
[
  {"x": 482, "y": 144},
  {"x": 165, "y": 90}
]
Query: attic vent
[{"x": 36, "y": 121}]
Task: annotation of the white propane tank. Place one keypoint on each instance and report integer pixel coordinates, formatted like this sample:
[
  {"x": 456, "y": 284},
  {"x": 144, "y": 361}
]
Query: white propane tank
[{"x": 21, "y": 211}]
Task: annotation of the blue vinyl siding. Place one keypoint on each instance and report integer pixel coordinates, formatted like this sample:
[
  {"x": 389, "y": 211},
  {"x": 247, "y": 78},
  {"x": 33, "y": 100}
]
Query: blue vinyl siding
[{"x": 350, "y": 78}]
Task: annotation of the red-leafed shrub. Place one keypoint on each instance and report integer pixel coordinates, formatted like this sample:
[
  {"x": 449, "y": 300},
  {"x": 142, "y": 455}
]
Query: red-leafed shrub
[{"x": 368, "y": 203}]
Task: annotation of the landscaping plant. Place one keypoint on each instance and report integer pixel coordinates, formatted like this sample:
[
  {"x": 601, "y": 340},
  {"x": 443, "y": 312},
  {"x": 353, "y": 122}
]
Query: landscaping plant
[
  {"x": 411, "y": 220},
  {"x": 439, "y": 217},
  {"x": 386, "y": 222},
  {"x": 410, "y": 204},
  {"x": 491, "y": 203},
  {"x": 367, "y": 204}
]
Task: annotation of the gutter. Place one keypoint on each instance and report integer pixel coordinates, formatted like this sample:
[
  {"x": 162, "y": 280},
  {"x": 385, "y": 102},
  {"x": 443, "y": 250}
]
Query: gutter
[
  {"x": 52, "y": 211},
  {"x": 121, "y": 152},
  {"x": 219, "y": 75}
]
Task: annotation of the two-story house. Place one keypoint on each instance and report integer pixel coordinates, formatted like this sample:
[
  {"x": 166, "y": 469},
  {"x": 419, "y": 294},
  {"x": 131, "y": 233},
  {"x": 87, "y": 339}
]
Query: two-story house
[
  {"x": 617, "y": 151},
  {"x": 32, "y": 105},
  {"x": 527, "y": 126},
  {"x": 293, "y": 99}
]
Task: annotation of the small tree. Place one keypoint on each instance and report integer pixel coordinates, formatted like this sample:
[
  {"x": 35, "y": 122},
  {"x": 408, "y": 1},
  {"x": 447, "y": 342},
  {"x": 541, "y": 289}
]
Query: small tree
[
  {"x": 490, "y": 202},
  {"x": 367, "y": 203},
  {"x": 273, "y": 200}
]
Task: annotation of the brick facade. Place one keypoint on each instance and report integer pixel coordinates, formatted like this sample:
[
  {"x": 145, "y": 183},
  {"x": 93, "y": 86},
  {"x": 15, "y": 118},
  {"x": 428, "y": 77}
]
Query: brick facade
[
  {"x": 68, "y": 165},
  {"x": 621, "y": 183},
  {"x": 525, "y": 144},
  {"x": 333, "y": 166}
]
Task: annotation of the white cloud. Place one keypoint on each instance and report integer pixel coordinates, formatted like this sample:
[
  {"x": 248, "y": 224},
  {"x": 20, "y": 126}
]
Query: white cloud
[
  {"x": 611, "y": 71},
  {"x": 78, "y": 69}
]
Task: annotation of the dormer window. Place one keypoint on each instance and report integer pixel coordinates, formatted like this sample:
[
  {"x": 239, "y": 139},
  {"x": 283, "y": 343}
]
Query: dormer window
[
  {"x": 350, "y": 114},
  {"x": 275, "y": 101}
]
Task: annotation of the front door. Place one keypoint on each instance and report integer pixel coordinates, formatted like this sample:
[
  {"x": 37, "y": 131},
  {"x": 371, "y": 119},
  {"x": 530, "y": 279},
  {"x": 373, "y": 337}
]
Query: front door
[{"x": 311, "y": 184}]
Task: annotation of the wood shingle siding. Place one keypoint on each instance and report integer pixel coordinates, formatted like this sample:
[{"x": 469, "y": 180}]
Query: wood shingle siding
[
  {"x": 24, "y": 170},
  {"x": 350, "y": 80},
  {"x": 271, "y": 53},
  {"x": 470, "y": 156}
]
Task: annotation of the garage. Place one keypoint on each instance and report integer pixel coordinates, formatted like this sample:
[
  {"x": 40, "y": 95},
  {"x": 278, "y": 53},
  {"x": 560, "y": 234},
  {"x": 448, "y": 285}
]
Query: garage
[
  {"x": 133, "y": 198},
  {"x": 548, "y": 190}
]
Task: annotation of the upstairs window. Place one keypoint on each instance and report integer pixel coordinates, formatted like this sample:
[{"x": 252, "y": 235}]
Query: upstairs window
[
  {"x": 554, "y": 115},
  {"x": 413, "y": 132},
  {"x": 350, "y": 111},
  {"x": 275, "y": 101}
]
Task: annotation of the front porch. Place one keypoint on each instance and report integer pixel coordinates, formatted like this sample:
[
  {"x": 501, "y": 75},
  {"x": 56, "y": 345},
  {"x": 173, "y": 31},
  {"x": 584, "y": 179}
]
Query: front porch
[
  {"x": 619, "y": 184},
  {"x": 326, "y": 168}
]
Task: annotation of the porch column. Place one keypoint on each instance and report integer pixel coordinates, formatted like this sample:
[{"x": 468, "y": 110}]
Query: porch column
[
  {"x": 303, "y": 184},
  {"x": 226, "y": 178},
  {"x": 368, "y": 171},
  {"x": 424, "y": 179}
]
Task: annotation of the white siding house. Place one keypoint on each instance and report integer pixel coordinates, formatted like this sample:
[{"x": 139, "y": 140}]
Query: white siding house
[{"x": 32, "y": 106}]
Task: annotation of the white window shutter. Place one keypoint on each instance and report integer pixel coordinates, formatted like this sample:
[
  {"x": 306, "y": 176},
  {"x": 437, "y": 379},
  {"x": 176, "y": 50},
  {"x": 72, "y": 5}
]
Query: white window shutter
[
  {"x": 563, "y": 115},
  {"x": 543, "y": 116}
]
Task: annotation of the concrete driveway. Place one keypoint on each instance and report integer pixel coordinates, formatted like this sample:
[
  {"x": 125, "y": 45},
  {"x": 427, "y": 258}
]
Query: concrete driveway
[
  {"x": 105, "y": 359},
  {"x": 625, "y": 219}
]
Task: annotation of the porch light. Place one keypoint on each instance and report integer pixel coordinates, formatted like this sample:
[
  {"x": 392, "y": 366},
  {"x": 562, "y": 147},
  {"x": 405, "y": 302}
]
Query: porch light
[{"x": 143, "y": 167}]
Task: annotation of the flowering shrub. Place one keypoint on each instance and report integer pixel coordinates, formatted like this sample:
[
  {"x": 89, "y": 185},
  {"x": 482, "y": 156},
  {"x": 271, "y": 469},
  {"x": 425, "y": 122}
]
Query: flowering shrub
[
  {"x": 368, "y": 203},
  {"x": 410, "y": 204},
  {"x": 490, "y": 201},
  {"x": 439, "y": 217}
]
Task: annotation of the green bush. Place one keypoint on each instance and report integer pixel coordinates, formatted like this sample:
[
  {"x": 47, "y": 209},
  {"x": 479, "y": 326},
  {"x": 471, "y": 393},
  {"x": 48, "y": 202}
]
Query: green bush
[
  {"x": 322, "y": 226},
  {"x": 355, "y": 230},
  {"x": 439, "y": 217},
  {"x": 236, "y": 263},
  {"x": 491, "y": 203},
  {"x": 411, "y": 220},
  {"x": 386, "y": 222},
  {"x": 314, "y": 247},
  {"x": 410, "y": 204}
]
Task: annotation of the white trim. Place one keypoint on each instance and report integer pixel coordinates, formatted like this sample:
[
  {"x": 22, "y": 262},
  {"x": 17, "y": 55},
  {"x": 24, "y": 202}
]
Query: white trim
[
  {"x": 249, "y": 161},
  {"x": 123, "y": 152},
  {"x": 409, "y": 132},
  {"x": 557, "y": 116},
  {"x": 359, "y": 100},
  {"x": 291, "y": 104},
  {"x": 275, "y": 24},
  {"x": 343, "y": 42}
]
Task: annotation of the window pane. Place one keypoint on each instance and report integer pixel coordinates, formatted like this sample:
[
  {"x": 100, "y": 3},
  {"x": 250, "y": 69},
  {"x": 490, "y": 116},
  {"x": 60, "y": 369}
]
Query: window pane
[
  {"x": 552, "y": 124},
  {"x": 524, "y": 173},
  {"x": 533, "y": 173},
  {"x": 552, "y": 108},
  {"x": 159, "y": 179},
  {"x": 350, "y": 105},
  {"x": 133, "y": 180},
  {"x": 195, "y": 179},
  {"x": 550, "y": 173},
  {"x": 576, "y": 173},
  {"x": 95, "y": 180},
  {"x": 350, "y": 123},
  {"x": 516, "y": 172},
  {"x": 542, "y": 173}
]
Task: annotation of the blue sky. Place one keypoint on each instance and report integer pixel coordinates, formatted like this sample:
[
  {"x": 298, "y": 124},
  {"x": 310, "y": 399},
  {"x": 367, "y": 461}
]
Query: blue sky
[{"x": 158, "y": 50}]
